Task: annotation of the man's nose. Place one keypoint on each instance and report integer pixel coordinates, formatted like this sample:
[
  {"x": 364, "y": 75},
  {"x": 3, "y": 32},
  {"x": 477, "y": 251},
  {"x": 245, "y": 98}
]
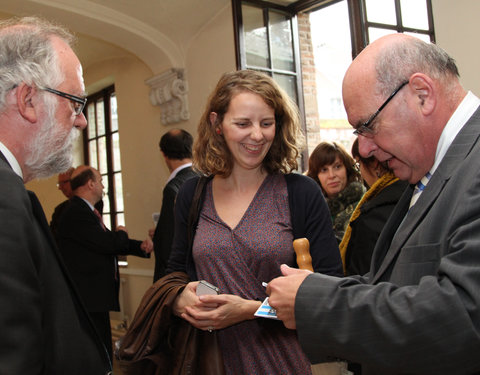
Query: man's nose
[
  {"x": 80, "y": 122},
  {"x": 366, "y": 146}
]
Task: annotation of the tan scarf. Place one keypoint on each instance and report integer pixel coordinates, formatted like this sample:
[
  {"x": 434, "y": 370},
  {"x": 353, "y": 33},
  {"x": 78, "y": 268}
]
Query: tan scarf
[{"x": 384, "y": 181}]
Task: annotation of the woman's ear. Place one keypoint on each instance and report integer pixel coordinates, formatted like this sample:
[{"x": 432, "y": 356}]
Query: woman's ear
[
  {"x": 424, "y": 89},
  {"x": 213, "y": 118},
  {"x": 25, "y": 96}
]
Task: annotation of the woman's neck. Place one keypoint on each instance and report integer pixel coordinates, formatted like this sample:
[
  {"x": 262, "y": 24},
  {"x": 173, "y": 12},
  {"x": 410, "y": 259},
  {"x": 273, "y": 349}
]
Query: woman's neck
[{"x": 242, "y": 180}]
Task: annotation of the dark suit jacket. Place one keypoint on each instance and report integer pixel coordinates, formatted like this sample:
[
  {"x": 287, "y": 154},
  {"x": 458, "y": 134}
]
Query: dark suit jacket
[
  {"x": 44, "y": 326},
  {"x": 57, "y": 213},
  {"x": 90, "y": 255},
  {"x": 418, "y": 309},
  {"x": 163, "y": 237}
]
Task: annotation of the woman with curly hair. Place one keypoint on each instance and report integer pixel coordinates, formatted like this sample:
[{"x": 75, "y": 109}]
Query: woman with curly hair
[
  {"x": 335, "y": 171},
  {"x": 252, "y": 208}
]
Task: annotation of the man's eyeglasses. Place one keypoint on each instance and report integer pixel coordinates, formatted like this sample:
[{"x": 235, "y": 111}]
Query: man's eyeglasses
[
  {"x": 78, "y": 102},
  {"x": 365, "y": 128}
]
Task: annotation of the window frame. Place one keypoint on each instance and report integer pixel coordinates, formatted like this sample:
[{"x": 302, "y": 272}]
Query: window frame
[
  {"x": 241, "y": 55},
  {"x": 105, "y": 95}
]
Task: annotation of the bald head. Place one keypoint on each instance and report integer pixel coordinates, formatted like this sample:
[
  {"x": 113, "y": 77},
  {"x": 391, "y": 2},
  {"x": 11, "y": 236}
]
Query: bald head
[
  {"x": 400, "y": 92},
  {"x": 386, "y": 63},
  {"x": 87, "y": 183}
]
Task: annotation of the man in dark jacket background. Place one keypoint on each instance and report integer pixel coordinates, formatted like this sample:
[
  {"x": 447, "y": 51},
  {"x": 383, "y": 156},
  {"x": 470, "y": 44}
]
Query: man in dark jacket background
[
  {"x": 90, "y": 250},
  {"x": 176, "y": 148}
]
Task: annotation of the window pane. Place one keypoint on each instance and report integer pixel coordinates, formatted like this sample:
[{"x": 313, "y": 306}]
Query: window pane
[
  {"x": 106, "y": 220},
  {"x": 102, "y": 153},
  {"x": 374, "y": 33},
  {"x": 381, "y": 11},
  {"x": 113, "y": 112},
  {"x": 288, "y": 84},
  {"x": 100, "y": 118},
  {"x": 120, "y": 219},
  {"x": 332, "y": 57},
  {"x": 255, "y": 37},
  {"x": 117, "y": 166},
  {"x": 414, "y": 14},
  {"x": 118, "y": 192},
  {"x": 424, "y": 37},
  {"x": 91, "y": 121},
  {"x": 281, "y": 41},
  {"x": 92, "y": 154},
  {"x": 106, "y": 199}
]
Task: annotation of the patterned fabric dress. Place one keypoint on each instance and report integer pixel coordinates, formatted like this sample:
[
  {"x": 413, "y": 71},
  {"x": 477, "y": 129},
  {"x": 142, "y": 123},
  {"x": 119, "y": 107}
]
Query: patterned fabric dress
[{"x": 237, "y": 261}]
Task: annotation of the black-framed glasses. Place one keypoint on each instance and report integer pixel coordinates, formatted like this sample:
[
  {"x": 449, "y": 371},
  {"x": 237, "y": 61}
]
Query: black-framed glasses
[
  {"x": 365, "y": 128},
  {"x": 78, "y": 102}
]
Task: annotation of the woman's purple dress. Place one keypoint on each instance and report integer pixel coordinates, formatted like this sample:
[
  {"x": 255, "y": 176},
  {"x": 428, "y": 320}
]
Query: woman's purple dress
[{"x": 237, "y": 261}]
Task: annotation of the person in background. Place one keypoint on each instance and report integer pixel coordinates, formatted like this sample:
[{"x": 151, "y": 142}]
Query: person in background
[
  {"x": 371, "y": 213},
  {"x": 90, "y": 250},
  {"x": 176, "y": 148},
  {"x": 251, "y": 211},
  {"x": 334, "y": 170},
  {"x": 45, "y": 327},
  {"x": 417, "y": 311},
  {"x": 64, "y": 186}
]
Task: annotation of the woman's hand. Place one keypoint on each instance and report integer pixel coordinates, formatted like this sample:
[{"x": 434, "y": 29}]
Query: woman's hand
[
  {"x": 219, "y": 311},
  {"x": 188, "y": 297}
]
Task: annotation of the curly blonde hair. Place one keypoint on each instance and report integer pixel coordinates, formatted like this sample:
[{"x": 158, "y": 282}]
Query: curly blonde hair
[{"x": 211, "y": 155}]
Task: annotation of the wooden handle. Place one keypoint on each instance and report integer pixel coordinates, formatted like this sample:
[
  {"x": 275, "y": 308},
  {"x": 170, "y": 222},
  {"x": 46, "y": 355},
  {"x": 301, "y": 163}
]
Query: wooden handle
[{"x": 302, "y": 249}]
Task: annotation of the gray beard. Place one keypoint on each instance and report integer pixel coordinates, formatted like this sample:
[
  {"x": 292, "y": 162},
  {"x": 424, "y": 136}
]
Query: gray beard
[{"x": 50, "y": 152}]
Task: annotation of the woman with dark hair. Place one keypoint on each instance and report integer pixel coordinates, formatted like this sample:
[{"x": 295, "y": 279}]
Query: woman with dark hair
[
  {"x": 251, "y": 210},
  {"x": 335, "y": 171},
  {"x": 371, "y": 213}
]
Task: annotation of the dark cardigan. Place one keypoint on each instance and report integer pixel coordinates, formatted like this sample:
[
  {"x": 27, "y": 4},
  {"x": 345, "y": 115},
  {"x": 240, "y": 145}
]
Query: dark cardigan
[{"x": 310, "y": 218}]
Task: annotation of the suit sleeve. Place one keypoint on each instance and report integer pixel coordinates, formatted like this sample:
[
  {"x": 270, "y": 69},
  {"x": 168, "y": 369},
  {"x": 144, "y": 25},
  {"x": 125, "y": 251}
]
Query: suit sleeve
[
  {"x": 427, "y": 326},
  {"x": 179, "y": 254},
  {"x": 80, "y": 227},
  {"x": 163, "y": 237}
]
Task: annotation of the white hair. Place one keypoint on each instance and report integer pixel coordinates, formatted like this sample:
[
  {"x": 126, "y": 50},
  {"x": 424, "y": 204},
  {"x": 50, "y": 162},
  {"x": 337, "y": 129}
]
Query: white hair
[{"x": 27, "y": 54}]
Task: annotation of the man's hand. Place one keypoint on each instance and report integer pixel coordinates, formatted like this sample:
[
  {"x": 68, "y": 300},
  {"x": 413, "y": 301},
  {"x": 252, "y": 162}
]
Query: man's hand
[
  {"x": 121, "y": 227},
  {"x": 147, "y": 246},
  {"x": 282, "y": 292}
]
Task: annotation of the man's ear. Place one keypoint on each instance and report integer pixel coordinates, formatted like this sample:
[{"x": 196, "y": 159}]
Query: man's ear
[
  {"x": 25, "y": 102},
  {"x": 425, "y": 91},
  {"x": 90, "y": 184}
]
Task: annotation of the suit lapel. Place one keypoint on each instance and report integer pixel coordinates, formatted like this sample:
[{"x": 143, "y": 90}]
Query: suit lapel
[
  {"x": 40, "y": 216},
  {"x": 400, "y": 228}
]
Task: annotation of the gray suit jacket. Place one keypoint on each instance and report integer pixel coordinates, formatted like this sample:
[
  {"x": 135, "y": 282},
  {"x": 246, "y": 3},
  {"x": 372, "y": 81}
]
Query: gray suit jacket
[
  {"x": 45, "y": 328},
  {"x": 418, "y": 310}
]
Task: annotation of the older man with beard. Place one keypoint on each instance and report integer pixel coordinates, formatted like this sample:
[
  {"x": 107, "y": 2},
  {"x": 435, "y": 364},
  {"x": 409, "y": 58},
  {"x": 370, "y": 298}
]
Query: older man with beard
[{"x": 45, "y": 328}]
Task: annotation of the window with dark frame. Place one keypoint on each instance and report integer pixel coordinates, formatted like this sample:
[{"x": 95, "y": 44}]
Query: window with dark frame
[
  {"x": 261, "y": 44},
  {"x": 102, "y": 151}
]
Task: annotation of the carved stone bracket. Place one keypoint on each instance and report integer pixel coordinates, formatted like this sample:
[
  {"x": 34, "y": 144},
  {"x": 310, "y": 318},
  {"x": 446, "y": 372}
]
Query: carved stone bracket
[{"x": 169, "y": 92}]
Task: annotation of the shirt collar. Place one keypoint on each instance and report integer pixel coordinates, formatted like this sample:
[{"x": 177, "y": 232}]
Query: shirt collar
[
  {"x": 87, "y": 202},
  {"x": 11, "y": 160},
  {"x": 178, "y": 169},
  {"x": 462, "y": 114}
]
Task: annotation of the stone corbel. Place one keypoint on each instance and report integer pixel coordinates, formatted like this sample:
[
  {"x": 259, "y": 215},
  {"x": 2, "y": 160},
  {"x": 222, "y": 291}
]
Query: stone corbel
[{"x": 169, "y": 92}]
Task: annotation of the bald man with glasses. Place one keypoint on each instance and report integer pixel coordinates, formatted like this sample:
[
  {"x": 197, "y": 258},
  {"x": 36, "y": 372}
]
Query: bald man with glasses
[{"x": 418, "y": 309}]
